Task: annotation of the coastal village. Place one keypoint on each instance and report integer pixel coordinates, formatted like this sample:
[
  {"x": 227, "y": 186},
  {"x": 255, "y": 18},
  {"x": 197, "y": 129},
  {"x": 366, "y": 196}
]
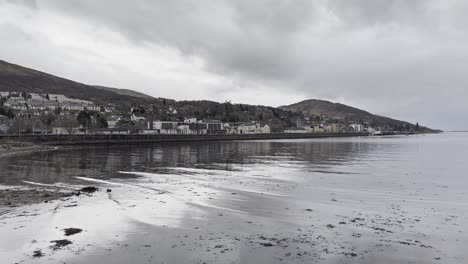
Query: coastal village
[{"x": 57, "y": 114}]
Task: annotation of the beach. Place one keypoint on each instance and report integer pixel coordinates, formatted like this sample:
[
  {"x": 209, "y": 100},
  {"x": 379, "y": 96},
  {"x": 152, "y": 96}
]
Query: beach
[{"x": 355, "y": 200}]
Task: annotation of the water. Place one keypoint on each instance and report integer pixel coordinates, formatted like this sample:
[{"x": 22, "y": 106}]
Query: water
[{"x": 345, "y": 200}]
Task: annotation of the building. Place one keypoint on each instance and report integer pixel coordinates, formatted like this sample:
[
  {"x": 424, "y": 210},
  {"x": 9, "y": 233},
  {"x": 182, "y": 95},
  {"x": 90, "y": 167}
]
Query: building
[
  {"x": 357, "y": 127},
  {"x": 297, "y": 131},
  {"x": 110, "y": 131},
  {"x": 334, "y": 128},
  {"x": 166, "y": 127},
  {"x": 112, "y": 121},
  {"x": 248, "y": 128},
  {"x": 213, "y": 126},
  {"x": 190, "y": 120},
  {"x": 137, "y": 118}
]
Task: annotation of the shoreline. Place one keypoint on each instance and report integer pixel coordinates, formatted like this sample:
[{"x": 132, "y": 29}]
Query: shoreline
[{"x": 93, "y": 139}]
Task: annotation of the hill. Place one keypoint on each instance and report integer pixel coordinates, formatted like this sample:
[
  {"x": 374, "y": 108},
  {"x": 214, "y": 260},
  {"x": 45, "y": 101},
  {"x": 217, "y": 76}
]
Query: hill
[
  {"x": 347, "y": 114},
  {"x": 17, "y": 78},
  {"x": 126, "y": 92}
]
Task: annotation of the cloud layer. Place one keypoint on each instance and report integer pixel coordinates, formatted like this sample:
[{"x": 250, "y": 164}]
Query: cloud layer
[{"x": 405, "y": 59}]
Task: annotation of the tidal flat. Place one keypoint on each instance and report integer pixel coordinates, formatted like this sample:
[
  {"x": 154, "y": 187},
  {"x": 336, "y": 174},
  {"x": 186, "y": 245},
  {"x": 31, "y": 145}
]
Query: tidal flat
[{"x": 343, "y": 200}]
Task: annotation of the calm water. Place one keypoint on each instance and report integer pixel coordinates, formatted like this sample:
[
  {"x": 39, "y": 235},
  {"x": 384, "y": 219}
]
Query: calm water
[{"x": 353, "y": 200}]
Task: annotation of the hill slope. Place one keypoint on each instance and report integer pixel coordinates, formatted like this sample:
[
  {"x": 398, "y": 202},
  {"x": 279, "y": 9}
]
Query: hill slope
[
  {"x": 344, "y": 113},
  {"x": 126, "y": 92},
  {"x": 16, "y": 78}
]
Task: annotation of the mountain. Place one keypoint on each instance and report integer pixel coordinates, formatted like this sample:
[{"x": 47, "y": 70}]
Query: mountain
[
  {"x": 346, "y": 114},
  {"x": 17, "y": 78}
]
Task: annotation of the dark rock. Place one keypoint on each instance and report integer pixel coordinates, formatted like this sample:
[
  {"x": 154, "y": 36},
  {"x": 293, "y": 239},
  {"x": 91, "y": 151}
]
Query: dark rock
[
  {"x": 72, "y": 231},
  {"x": 109, "y": 190},
  {"x": 38, "y": 253},
  {"x": 330, "y": 226},
  {"x": 60, "y": 243},
  {"x": 89, "y": 189},
  {"x": 266, "y": 244}
]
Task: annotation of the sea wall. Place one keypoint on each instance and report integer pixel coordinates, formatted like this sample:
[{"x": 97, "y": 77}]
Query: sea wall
[{"x": 132, "y": 139}]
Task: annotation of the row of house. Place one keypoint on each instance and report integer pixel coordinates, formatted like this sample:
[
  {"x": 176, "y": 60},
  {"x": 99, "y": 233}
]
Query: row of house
[
  {"x": 42, "y": 102},
  {"x": 190, "y": 126}
]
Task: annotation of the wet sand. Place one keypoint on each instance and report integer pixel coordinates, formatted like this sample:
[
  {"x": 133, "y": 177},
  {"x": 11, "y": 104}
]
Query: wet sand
[
  {"x": 271, "y": 208},
  {"x": 21, "y": 196}
]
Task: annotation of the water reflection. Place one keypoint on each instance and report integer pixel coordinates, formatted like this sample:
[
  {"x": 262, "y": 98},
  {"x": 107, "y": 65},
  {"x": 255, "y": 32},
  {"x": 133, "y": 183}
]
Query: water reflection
[{"x": 104, "y": 162}]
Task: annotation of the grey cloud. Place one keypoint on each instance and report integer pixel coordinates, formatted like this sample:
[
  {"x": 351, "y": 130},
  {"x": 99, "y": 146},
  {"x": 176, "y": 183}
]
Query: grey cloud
[{"x": 28, "y": 3}]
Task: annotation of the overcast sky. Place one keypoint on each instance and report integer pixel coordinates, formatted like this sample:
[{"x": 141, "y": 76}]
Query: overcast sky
[{"x": 404, "y": 59}]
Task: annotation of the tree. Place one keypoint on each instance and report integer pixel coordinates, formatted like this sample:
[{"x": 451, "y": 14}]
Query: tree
[
  {"x": 10, "y": 114},
  {"x": 47, "y": 97},
  {"x": 70, "y": 125},
  {"x": 3, "y": 111},
  {"x": 84, "y": 118},
  {"x": 101, "y": 121},
  {"x": 58, "y": 110},
  {"x": 260, "y": 117},
  {"x": 417, "y": 127}
]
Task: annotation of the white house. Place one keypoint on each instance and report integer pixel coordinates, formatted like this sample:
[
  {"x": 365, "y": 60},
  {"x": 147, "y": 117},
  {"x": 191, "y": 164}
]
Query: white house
[
  {"x": 297, "y": 131},
  {"x": 136, "y": 118},
  {"x": 190, "y": 120},
  {"x": 165, "y": 127},
  {"x": 248, "y": 128},
  {"x": 357, "y": 127}
]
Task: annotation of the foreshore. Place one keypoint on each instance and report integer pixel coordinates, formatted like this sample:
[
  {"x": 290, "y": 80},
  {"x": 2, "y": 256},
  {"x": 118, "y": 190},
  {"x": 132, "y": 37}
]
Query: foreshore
[{"x": 93, "y": 139}]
